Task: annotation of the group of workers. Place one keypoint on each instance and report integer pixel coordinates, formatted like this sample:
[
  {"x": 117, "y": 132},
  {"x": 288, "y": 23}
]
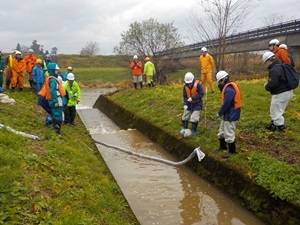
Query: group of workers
[
  {"x": 57, "y": 93},
  {"x": 230, "y": 109},
  {"x": 138, "y": 72}
]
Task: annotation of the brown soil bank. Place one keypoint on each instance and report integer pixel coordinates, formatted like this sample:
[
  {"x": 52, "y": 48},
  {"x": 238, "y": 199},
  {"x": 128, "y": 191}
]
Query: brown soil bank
[{"x": 233, "y": 182}]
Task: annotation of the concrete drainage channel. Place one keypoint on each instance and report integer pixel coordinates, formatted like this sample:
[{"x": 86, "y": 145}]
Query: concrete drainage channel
[{"x": 157, "y": 193}]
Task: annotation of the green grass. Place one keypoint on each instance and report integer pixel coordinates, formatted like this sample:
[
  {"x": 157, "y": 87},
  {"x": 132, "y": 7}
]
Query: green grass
[
  {"x": 260, "y": 151},
  {"x": 90, "y": 76},
  {"x": 59, "y": 180}
]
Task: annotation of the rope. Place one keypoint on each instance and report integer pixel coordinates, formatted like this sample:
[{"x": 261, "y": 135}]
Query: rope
[
  {"x": 21, "y": 133},
  {"x": 196, "y": 151}
]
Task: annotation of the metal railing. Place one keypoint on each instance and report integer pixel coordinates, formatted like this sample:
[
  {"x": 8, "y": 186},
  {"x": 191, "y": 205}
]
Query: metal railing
[{"x": 268, "y": 31}]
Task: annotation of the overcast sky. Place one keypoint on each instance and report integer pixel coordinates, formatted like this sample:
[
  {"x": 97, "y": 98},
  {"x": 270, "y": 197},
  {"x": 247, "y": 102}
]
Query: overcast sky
[{"x": 70, "y": 24}]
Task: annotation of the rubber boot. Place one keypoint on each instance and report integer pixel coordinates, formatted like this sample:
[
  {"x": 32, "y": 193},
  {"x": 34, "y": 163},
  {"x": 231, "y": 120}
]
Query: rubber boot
[
  {"x": 135, "y": 85},
  {"x": 31, "y": 83},
  {"x": 141, "y": 84},
  {"x": 48, "y": 120},
  {"x": 194, "y": 128},
  {"x": 185, "y": 124},
  {"x": 152, "y": 83},
  {"x": 149, "y": 85},
  {"x": 271, "y": 127},
  {"x": 13, "y": 89},
  {"x": 223, "y": 144},
  {"x": 280, "y": 129},
  {"x": 56, "y": 126},
  {"x": 232, "y": 150}
]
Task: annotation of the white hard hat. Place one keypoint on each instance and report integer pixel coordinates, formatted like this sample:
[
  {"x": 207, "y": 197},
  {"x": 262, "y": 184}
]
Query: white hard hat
[
  {"x": 30, "y": 51},
  {"x": 204, "y": 49},
  {"x": 70, "y": 76},
  {"x": 57, "y": 67},
  {"x": 135, "y": 56},
  {"x": 267, "y": 55},
  {"x": 221, "y": 74},
  {"x": 283, "y": 46},
  {"x": 18, "y": 53},
  {"x": 69, "y": 68},
  {"x": 188, "y": 78},
  {"x": 274, "y": 42}
]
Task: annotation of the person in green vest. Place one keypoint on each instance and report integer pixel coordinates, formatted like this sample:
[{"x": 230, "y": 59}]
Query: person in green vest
[
  {"x": 149, "y": 72},
  {"x": 73, "y": 96},
  {"x": 46, "y": 61}
]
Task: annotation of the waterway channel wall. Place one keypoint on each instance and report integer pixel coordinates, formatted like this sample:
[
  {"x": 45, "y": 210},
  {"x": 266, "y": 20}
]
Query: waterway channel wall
[{"x": 217, "y": 171}]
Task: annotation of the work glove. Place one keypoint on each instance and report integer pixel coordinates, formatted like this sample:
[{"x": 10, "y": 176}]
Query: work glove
[
  {"x": 190, "y": 100},
  {"x": 185, "y": 107}
]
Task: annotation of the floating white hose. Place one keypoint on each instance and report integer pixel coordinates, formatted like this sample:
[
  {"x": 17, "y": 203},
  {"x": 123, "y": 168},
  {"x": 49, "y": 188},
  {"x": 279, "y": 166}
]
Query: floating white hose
[
  {"x": 197, "y": 152},
  {"x": 21, "y": 133}
]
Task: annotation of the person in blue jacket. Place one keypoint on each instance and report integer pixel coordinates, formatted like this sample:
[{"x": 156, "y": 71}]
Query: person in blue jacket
[
  {"x": 192, "y": 102},
  {"x": 38, "y": 75},
  {"x": 230, "y": 112}
]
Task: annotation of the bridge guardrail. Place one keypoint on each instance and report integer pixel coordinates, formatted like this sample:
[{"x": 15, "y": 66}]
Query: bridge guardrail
[{"x": 277, "y": 29}]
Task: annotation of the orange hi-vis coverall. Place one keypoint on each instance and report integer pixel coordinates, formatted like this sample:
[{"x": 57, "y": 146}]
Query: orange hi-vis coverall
[{"x": 18, "y": 69}]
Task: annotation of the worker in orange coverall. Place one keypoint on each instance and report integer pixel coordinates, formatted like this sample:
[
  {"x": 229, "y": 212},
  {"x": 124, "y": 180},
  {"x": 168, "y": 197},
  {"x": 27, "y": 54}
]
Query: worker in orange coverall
[{"x": 18, "y": 68}]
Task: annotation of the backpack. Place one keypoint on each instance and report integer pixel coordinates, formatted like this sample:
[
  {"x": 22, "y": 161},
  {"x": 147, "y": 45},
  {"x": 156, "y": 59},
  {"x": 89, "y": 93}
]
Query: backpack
[{"x": 291, "y": 75}]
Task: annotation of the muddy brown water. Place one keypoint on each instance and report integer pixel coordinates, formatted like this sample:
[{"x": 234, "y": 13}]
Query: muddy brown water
[{"x": 156, "y": 192}]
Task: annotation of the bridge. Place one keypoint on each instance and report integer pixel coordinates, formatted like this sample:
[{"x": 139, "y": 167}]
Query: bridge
[{"x": 253, "y": 40}]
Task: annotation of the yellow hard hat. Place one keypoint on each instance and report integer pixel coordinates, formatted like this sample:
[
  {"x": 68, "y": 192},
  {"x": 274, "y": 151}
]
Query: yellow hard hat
[
  {"x": 38, "y": 61},
  {"x": 147, "y": 58}
]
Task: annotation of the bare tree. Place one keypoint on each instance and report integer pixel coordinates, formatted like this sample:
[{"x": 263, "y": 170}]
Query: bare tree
[
  {"x": 91, "y": 48},
  {"x": 148, "y": 38},
  {"x": 217, "y": 19}
]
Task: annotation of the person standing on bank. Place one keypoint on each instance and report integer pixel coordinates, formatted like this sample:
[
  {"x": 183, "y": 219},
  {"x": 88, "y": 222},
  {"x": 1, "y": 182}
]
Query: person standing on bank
[
  {"x": 30, "y": 60},
  {"x": 2, "y": 68},
  {"x": 54, "y": 93},
  {"x": 281, "y": 93},
  {"x": 206, "y": 62},
  {"x": 192, "y": 102},
  {"x": 280, "y": 53},
  {"x": 230, "y": 112},
  {"x": 8, "y": 69},
  {"x": 137, "y": 73},
  {"x": 149, "y": 71},
  {"x": 73, "y": 96},
  {"x": 18, "y": 69}
]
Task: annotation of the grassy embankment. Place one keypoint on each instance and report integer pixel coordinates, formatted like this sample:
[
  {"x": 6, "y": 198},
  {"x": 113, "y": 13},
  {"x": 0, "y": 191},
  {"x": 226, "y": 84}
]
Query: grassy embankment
[
  {"x": 59, "y": 180},
  {"x": 271, "y": 159}
]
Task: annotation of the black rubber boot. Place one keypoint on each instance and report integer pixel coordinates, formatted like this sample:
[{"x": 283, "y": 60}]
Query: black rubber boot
[
  {"x": 31, "y": 83},
  {"x": 141, "y": 84},
  {"x": 56, "y": 126},
  {"x": 135, "y": 85},
  {"x": 280, "y": 129},
  {"x": 194, "y": 128},
  {"x": 223, "y": 144},
  {"x": 185, "y": 124},
  {"x": 232, "y": 150},
  {"x": 152, "y": 83},
  {"x": 271, "y": 126}
]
